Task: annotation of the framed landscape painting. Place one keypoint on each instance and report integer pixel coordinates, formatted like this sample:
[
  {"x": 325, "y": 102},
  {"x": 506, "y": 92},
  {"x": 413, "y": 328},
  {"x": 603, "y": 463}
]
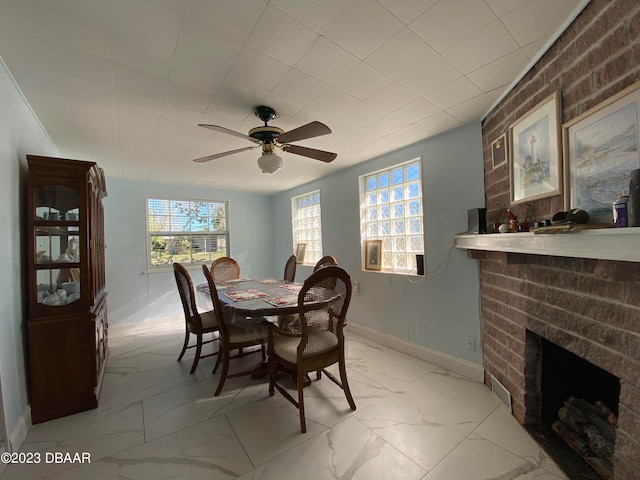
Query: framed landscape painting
[
  {"x": 601, "y": 149},
  {"x": 373, "y": 255},
  {"x": 535, "y": 168}
]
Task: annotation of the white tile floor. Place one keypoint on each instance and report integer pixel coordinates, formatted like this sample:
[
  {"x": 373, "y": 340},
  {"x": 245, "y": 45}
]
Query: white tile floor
[{"x": 414, "y": 421}]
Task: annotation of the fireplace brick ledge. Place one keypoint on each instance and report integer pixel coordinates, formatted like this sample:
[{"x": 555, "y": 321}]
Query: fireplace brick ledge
[{"x": 606, "y": 244}]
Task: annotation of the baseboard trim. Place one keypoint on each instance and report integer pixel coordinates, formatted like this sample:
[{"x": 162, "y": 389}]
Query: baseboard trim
[
  {"x": 18, "y": 434},
  {"x": 456, "y": 365}
]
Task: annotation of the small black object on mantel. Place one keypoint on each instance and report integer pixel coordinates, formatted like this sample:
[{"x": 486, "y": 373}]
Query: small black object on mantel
[{"x": 477, "y": 220}]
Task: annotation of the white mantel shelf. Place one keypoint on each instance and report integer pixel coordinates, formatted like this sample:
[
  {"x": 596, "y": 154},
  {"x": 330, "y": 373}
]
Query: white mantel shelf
[{"x": 607, "y": 243}]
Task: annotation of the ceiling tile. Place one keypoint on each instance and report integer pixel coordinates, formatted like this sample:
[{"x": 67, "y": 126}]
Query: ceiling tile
[
  {"x": 20, "y": 16},
  {"x": 87, "y": 89},
  {"x": 200, "y": 76},
  {"x": 362, "y": 81},
  {"x": 334, "y": 102},
  {"x": 391, "y": 97},
  {"x": 326, "y": 61},
  {"x": 437, "y": 123},
  {"x": 26, "y": 49},
  {"x": 408, "y": 10},
  {"x": 258, "y": 69},
  {"x": 138, "y": 82},
  {"x": 241, "y": 92},
  {"x": 454, "y": 93},
  {"x": 83, "y": 65},
  {"x": 93, "y": 11},
  {"x": 281, "y": 37},
  {"x": 436, "y": 27},
  {"x": 145, "y": 56},
  {"x": 299, "y": 87},
  {"x": 499, "y": 72},
  {"x": 482, "y": 47},
  {"x": 429, "y": 75},
  {"x": 472, "y": 109},
  {"x": 317, "y": 15},
  {"x": 360, "y": 115},
  {"x": 71, "y": 31},
  {"x": 206, "y": 46},
  {"x": 186, "y": 97},
  {"x": 399, "y": 55},
  {"x": 535, "y": 20},
  {"x": 363, "y": 28},
  {"x": 234, "y": 19},
  {"x": 132, "y": 101},
  {"x": 501, "y": 7}
]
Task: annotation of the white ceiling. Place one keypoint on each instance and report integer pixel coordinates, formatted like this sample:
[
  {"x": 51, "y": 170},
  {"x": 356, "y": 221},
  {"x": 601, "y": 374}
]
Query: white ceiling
[{"x": 125, "y": 82}]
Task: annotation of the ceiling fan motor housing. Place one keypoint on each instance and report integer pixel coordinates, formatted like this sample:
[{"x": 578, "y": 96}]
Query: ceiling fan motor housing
[{"x": 266, "y": 133}]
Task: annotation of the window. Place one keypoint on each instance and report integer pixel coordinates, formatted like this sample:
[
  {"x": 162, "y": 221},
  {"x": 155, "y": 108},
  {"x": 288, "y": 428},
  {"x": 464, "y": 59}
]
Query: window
[
  {"x": 186, "y": 231},
  {"x": 391, "y": 211},
  {"x": 307, "y": 226}
]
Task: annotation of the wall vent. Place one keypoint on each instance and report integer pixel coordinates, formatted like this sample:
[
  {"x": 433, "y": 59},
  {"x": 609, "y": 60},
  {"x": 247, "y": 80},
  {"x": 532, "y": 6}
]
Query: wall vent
[{"x": 501, "y": 392}]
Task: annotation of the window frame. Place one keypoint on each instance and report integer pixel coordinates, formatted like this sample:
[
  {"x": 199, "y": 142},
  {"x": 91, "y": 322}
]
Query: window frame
[
  {"x": 311, "y": 243},
  {"x": 151, "y": 267},
  {"x": 409, "y": 204}
]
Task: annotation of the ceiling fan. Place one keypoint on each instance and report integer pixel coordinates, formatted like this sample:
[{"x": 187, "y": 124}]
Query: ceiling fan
[{"x": 270, "y": 138}]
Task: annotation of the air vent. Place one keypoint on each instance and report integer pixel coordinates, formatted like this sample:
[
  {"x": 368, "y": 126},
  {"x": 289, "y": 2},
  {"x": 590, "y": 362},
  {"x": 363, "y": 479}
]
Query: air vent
[{"x": 501, "y": 392}]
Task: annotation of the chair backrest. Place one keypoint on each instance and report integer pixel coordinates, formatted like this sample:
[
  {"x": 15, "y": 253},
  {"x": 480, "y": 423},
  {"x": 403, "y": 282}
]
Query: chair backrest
[
  {"x": 290, "y": 269},
  {"x": 325, "y": 261},
  {"x": 217, "y": 305},
  {"x": 323, "y": 302},
  {"x": 187, "y": 295},
  {"x": 225, "y": 268}
]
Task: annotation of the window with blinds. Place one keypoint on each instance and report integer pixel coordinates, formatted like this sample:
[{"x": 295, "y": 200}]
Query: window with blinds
[
  {"x": 307, "y": 227},
  {"x": 391, "y": 212},
  {"x": 186, "y": 231}
]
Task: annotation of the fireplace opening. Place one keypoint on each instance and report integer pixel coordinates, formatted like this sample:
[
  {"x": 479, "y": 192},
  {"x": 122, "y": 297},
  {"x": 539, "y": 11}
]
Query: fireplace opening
[{"x": 578, "y": 407}]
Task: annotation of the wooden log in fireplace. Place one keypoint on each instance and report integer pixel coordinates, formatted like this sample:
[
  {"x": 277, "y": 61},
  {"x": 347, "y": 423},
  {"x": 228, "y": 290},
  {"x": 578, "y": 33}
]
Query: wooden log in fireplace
[{"x": 589, "y": 429}]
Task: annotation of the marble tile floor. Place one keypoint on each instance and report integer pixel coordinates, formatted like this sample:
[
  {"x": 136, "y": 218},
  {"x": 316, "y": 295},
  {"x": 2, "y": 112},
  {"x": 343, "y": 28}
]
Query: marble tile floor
[{"x": 155, "y": 421}]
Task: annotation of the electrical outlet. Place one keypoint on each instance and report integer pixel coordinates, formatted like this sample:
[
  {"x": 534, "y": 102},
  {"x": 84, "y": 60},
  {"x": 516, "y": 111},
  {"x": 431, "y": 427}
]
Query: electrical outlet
[
  {"x": 471, "y": 343},
  {"x": 355, "y": 287}
]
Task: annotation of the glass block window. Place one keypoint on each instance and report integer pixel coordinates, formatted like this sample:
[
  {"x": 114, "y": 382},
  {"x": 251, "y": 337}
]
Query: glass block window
[
  {"x": 391, "y": 211},
  {"x": 185, "y": 231},
  {"x": 307, "y": 226}
]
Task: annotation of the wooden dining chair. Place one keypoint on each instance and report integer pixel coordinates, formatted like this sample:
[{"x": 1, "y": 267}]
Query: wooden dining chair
[
  {"x": 290, "y": 269},
  {"x": 225, "y": 268},
  {"x": 195, "y": 322},
  {"x": 232, "y": 337},
  {"x": 325, "y": 262},
  {"x": 322, "y": 307}
]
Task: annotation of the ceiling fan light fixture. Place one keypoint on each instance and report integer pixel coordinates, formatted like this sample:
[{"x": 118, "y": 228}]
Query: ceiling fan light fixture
[{"x": 270, "y": 162}]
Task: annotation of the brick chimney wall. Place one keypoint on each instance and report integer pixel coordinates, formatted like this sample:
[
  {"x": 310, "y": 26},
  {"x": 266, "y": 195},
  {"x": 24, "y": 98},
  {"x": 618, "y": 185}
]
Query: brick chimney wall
[{"x": 589, "y": 307}]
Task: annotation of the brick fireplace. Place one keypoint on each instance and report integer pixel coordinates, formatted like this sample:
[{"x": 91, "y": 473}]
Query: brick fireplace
[{"x": 588, "y": 306}]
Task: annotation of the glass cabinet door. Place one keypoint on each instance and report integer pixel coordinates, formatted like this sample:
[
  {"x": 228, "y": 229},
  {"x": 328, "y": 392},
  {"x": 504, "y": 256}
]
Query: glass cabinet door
[{"x": 57, "y": 244}]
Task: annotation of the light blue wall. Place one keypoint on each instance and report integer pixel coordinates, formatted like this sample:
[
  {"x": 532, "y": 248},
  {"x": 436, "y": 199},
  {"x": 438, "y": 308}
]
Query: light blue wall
[
  {"x": 20, "y": 134},
  {"x": 136, "y": 296},
  {"x": 439, "y": 311}
]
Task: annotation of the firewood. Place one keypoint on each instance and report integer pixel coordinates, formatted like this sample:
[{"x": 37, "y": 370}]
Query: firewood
[
  {"x": 607, "y": 414},
  {"x": 602, "y": 467},
  {"x": 571, "y": 438}
]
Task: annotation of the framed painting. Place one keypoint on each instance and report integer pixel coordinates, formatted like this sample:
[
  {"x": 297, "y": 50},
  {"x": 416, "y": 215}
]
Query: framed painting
[
  {"x": 601, "y": 149},
  {"x": 301, "y": 249},
  {"x": 373, "y": 255},
  {"x": 535, "y": 166},
  {"x": 499, "y": 150}
]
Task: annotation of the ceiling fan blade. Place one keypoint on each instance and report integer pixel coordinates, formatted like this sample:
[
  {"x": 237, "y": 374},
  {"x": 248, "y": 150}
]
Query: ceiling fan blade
[
  {"x": 222, "y": 154},
  {"x": 310, "y": 130},
  {"x": 310, "y": 152},
  {"x": 230, "y": 132}
]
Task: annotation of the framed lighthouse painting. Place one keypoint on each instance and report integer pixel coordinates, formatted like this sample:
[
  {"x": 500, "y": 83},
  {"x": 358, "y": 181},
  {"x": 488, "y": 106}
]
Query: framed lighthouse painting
[{"x": 535, "y": 164}]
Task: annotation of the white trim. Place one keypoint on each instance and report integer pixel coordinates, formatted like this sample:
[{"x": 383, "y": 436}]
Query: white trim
[
  {"x": 20, "y": 431},
  {"x": 456, "y": 365},
  {"x": 552, "y": 39}
]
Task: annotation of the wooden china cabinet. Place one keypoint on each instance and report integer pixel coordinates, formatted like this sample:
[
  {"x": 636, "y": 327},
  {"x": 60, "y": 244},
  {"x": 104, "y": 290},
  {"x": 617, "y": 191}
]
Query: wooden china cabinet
[{"x": 67, "y": 324}]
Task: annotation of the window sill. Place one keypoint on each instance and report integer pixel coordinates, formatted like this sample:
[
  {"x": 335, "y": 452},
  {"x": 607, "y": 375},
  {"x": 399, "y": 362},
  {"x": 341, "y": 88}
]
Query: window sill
[{"x": 606, "y": 244}]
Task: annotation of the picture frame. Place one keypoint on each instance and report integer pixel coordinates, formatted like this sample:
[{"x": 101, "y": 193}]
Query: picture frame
[
  {"x": 301, "y": 249},
  {"x": 535, "y": 163},
  {"x": 499, "y": 150},
  {"x": 600, "y": 149},
  {"x": 373, "y": 255}
]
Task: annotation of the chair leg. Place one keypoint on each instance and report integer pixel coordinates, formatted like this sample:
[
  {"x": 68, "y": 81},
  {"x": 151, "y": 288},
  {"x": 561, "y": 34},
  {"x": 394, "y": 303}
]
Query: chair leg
[
  {"x": 215, "y": 368},
  {"x": 185, "y": 345},
  {"x": 196, "y": 358},
  {"x": 345, "y": 385},
  {"x": 225, "y": 369},
  {"x": 300, "y": 381}
]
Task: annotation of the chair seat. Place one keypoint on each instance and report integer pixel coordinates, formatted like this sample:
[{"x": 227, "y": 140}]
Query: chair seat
[
  {"x": 209, "y": 321},
  {"x": 239, "y": 334},
  {"x": 287, "y": 347}
]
